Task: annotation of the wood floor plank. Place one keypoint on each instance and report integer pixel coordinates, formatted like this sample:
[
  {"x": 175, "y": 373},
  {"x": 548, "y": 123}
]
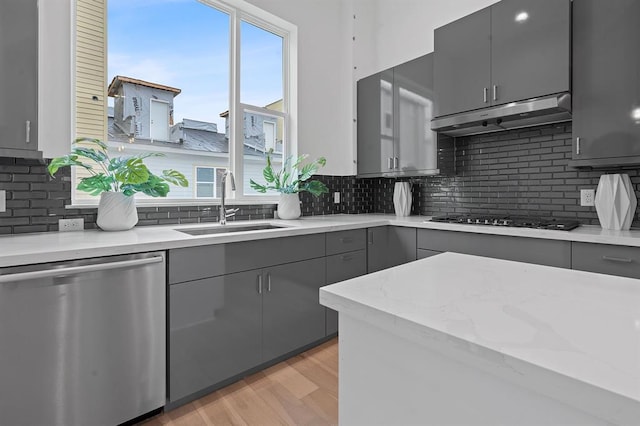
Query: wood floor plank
[
  {"x": 300, "y": 391},
  {"x": 290, "y": 378},
  {"x": 243, "y": 401}
]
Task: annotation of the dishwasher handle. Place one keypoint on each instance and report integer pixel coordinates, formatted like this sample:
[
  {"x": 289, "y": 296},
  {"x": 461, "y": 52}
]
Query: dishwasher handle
[{"x": 74, "y": 270}]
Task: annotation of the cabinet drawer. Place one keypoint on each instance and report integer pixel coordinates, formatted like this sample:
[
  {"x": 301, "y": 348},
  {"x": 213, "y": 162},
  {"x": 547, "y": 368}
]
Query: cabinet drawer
[
  {"x": 530, "y": 250},
  {"x": 606, "y": 259},
  {"x": 423, "y": 253},
  {"x": 345, "y": 241},
  {"x": 344, "y": 266},
  {"x": 192, "y": 263}
]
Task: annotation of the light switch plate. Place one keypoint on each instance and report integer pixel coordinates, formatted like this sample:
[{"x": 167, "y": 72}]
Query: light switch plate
[
  {"x": 587, "y": 197},
  {"x": 3, "y": 201}
]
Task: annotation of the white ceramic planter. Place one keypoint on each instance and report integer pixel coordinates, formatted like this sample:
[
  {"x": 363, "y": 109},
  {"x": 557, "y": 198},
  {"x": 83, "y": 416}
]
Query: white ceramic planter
[
  {"x": 615, "y": 202},
  {"x": 116, "y": 212},
  {"x": 402, "y": 198},
  {"x": 289, "y": 206}
]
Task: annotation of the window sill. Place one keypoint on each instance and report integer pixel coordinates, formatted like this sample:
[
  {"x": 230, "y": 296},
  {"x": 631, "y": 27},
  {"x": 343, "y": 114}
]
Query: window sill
[{"x": 186, "y": 202}]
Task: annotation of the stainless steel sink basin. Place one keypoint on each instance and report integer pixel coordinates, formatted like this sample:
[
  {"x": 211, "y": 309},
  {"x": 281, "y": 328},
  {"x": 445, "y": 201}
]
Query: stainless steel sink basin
[{"x": 219, "y": 229}]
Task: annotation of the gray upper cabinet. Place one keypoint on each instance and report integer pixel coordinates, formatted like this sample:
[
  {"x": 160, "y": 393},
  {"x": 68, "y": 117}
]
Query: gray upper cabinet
[
  {"x": 462, "y": 67},
  {"x": 510, "y": 51},
  {"x": 606, "y": 83},
  {"x": 395, "y": 108},
  {"x": 19, "y": 78}
]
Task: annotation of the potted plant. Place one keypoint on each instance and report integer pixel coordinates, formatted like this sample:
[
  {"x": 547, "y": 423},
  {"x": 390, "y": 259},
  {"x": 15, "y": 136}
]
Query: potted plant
[
  {"x": 116, "y": 180},
  {"x": 292, "y": 179}
]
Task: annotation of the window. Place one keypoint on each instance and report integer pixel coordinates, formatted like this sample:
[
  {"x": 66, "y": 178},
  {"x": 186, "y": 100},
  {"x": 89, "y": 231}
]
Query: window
[
  {"x": 208, "y": 183},
  {"x": 191, "y": 79}
]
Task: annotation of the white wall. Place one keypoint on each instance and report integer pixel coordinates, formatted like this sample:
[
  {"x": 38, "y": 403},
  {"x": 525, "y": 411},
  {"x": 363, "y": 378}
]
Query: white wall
[
  {"x": 387, "y": 33},
  {"x": 390, "y": 32},
  {"x": 324, "y": 78}
]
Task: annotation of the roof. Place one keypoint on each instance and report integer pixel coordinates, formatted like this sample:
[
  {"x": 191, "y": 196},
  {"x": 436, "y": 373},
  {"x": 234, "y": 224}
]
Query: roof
[{"x": 119, "y": 79}]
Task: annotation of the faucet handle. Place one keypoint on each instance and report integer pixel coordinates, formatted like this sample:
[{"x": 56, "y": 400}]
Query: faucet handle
[{"x": 230, "y": 212}]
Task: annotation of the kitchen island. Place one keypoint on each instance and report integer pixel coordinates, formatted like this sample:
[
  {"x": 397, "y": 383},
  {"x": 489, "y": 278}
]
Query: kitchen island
[{"x": 459, "y": 339}]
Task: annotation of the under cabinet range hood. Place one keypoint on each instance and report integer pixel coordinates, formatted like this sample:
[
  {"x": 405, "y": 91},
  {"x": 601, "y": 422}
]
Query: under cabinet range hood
[{"x": 543, "y": 110}]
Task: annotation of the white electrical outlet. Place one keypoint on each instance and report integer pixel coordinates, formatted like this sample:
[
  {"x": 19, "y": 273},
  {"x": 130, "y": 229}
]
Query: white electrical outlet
[
  {"x": 336, "y": 198},
  {"x": 65, "y": 225},
  {"x": 587, "y": 197},
  {"x": 3, "y": 201}
]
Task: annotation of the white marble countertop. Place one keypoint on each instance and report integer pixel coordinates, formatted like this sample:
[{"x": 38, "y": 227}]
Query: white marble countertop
[
  {"x": 57, "y": 246},
  {"x": 554, "y": 330}
]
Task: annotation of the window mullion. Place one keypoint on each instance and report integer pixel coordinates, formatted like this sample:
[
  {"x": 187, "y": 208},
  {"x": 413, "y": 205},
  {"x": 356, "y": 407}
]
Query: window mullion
[{"x": 236, "y": 130}]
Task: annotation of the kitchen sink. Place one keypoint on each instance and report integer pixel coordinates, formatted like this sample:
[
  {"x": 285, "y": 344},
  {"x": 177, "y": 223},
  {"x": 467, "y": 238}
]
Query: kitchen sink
[{"x": 219, "y": 229}]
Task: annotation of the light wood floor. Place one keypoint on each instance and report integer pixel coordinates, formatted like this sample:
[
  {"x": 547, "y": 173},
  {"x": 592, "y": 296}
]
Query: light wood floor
[{"x": 302, "y": 390}]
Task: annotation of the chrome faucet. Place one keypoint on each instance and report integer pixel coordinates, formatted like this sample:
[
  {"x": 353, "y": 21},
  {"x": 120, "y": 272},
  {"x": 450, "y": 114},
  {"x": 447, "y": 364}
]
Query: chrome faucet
[{"x": 224, "y": 213}]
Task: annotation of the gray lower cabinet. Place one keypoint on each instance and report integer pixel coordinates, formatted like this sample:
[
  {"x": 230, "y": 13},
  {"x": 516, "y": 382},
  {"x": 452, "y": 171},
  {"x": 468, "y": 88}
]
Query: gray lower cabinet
[
  {"x": 389, "y": 246},
  {"x": 606, "y": 93},
  {"x": 19, "y": 78},
  {"x": 233, "y": 307},
  {"x": 215, "y": 331},
  {"x": 342, "y": 267},
  {"x": 346, "y": 259},
  {"x": 606, "y": 259},
  {"x": 292, "y": 316},
  {"x": 424, "y": 253},
  {"x": 531, "y": 250}
]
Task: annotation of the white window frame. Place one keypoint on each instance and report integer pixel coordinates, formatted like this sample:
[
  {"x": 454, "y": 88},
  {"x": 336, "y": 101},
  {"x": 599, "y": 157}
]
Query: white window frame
[
  {"x": 238, "y": 11},
  {"x": 196, "y": 181}
]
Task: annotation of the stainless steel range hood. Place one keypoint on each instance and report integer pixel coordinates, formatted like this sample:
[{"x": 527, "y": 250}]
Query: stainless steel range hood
[{"x": 543, "y": 110}]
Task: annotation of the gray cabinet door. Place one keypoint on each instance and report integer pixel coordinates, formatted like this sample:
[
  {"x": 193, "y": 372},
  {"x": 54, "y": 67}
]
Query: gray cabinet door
[
  {"x": 416, "y": 147},
  {"x": 18, "y": 76},
  {"x": 390, "y": 246},
  {"x": 292, "y": 315},
  {"x": 375, "y": 123},
  {"x": 462, "y": 67},
  {"x": 342, "y": 267},
  {"x": 214, "y": 331},
  {"x": 530, "y": 53},
  {"x": 606, "y": 88},
  {"x": 606, "y": 259}
]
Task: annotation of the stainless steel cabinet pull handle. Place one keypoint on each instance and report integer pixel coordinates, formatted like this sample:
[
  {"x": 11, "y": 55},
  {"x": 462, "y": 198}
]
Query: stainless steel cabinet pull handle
[
  {"x": 28, "y": 131},
  {"x": 495, "y": 92},
  {"x": 269, "y": 282},
  {"x": 347, "y": 257},
  {"x": 260, "y": 283},
  {"x": 346, "y": 240},
  {"x": 485, "y": 93},
  {"x": 617, "y": 259},
  {"x": 74, "y": 270},
  {"x": 578, "y": 145},
  {"x": 395, "y": 162}
]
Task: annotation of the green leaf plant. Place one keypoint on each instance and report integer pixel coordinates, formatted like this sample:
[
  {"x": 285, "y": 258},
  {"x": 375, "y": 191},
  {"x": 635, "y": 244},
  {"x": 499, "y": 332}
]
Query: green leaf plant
[
  {"x": 121, "y": 174},
  {"x": 293, "y": 177}
]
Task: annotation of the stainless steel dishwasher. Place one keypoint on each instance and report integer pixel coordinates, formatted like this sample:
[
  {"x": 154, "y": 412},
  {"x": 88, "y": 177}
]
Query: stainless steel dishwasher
[{"x": 83, "y": 342}]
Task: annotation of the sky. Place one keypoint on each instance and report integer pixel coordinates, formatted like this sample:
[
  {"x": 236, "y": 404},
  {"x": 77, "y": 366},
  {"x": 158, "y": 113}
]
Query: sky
[{"x": 185, "y": 44}]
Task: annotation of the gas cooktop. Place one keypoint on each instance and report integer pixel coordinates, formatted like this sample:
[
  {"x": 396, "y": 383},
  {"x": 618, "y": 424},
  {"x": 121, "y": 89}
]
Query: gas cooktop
[{"x": 510, "y": 221}]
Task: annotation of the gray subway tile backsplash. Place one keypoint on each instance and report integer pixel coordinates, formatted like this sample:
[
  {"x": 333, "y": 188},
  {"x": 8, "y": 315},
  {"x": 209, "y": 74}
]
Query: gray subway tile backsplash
[{"x": 518, "y": 172}]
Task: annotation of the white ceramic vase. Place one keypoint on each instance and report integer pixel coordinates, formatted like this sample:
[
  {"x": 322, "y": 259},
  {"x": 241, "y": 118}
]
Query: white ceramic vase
[
  {"x": 289, "y": 206},
  {"x": 116, "y": 212},
  {"x": 402, "y": 198},
  {"x": 615, "y": 202}
]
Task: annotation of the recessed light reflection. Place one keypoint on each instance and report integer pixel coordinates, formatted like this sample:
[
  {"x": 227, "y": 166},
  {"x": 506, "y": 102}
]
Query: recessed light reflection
[
  {"x": 635, "y": 114},
  {"x": 522, "y": 16}
]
